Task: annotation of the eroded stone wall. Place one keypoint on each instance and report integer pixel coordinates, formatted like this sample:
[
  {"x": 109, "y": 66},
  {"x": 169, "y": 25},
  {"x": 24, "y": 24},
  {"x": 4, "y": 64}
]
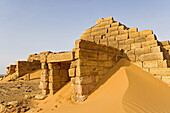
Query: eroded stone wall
[
  {"x": 11, "y": 69},
  {"x": 24, "y": 67},
  {"x": 92, "y": 62}
]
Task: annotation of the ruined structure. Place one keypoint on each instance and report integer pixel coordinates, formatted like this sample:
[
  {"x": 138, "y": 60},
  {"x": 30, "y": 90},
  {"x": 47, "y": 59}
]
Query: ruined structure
[{"x": 98, "y": 49}]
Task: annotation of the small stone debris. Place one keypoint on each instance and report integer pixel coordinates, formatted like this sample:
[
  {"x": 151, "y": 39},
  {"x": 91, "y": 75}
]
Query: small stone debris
[
  {"x": 40, "y": 97},
  {"x": 13, "y": 107}
]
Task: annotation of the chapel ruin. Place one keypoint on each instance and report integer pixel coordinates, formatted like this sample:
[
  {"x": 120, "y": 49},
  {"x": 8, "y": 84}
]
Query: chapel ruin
[{"x": 98, "y": 49}]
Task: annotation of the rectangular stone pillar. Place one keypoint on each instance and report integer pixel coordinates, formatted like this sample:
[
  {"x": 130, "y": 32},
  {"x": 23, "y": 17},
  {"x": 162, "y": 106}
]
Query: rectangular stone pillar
[
  {"x": 54, "y": 77},
  {"x": 44, "y": 79}
]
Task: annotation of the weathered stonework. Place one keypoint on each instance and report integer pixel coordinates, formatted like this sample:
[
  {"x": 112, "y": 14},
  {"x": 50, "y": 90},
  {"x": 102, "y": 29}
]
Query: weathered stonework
[
  {"x": 148, "y": 53},
  {"x": 98, "y": 49}
]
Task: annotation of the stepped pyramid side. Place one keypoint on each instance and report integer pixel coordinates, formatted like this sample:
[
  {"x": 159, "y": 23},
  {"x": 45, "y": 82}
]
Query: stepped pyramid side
[{"x": 141, "y": 47}]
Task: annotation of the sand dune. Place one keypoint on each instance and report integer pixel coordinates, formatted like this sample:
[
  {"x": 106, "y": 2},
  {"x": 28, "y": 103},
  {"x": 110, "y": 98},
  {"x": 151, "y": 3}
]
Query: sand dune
[{"x": 125, "y": 89}]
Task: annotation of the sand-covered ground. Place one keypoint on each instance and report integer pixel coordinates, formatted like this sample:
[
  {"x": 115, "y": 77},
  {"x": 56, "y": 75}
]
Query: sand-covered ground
[
  {"x": 16, "y": 91},
  {"x": 125, "y": 89}
]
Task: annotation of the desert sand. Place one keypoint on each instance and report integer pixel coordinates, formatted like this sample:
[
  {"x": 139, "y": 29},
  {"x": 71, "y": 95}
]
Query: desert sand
[{"x": 125, "y": 89}]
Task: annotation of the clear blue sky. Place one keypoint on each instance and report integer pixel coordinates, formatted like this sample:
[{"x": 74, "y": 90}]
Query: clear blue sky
[{"x": 33, "y": 26}]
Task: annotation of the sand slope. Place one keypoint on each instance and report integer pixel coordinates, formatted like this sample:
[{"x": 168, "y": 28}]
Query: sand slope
[{"x": 125, "y": 89}]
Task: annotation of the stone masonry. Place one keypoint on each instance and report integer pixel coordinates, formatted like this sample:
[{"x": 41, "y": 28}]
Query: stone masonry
[
  {"x": 141, "y": 47},
  {"x": 98, "y": 49}
]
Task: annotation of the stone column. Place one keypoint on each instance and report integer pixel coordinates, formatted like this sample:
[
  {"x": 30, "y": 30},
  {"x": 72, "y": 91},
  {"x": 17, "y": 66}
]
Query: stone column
[
  {"x": 54, "y": 77},
  {"x": 44, "y": 83}
]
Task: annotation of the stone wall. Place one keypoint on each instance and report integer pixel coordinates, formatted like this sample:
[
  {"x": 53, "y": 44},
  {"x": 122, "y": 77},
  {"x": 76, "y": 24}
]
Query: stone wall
[
  {"x": 41, "y": 56},
  {"x": 10, "y": 69},
  {"x": 92, "y": 62},
  {"x": 141, "y": 47},
  {"x": 24, "y": 67}
]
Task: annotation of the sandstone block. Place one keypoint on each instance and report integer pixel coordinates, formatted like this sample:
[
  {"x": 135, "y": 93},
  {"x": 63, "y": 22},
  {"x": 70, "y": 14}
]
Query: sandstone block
[
  {"x": 151, "y": 56},
  {"x": 140, "y": 51},
  {"x": 58, "y": 57},
  {"x": 105, "y": 64},
  {"x": 87, "y": 31},
  {"x": 102, "y": 56},
  {"x": 151, "y": 37},
  {"x": 111, "y": 57},
  {"x": 72, "y": 72},
  {"x": 113, "y": 44},
  {"x": 108, "y": 18},
  {"x": 167, "y": 47},
  {"x": 123, "y": 32},
  {"x": 86, "y": 62},
  {"x": 93, "y": 33},
  {"x": 156, "y": 49},
  {"x": 122, "y": 42},
  {"x": 131, "y": 52},
  {"x": 45, "y": 92},
  {"x": 115, "y": 24},
  {"x": 43, "y": 85},
  {"x": 166, "y": 79},
  {"x": 112, "y": 38},
  {"x": 160, "y": 71},
  {"x": 125, "y": 47},
  {"x": 140, "y": 39},
  {"x": 44, "y": 78},
  {"x": 107, "y": 35},
  {"x": 133, "y": 34},
  {"x": 130, "y": 41},
  {"x": 103, "y": 42},
  {"x": 122, "y": 37},
  {"x": 165, "y": 43},
  {"x": 83, "y": 80},
  {"x": 115, "y": 28},
  {"x": 84, "y": 44},
  {"x": 132, "y": 58},
  {"x": 91, "y": 38},
  {"x": 150, "y": 44},
  {"x": 83, "y": 71},
  {"x": 136, "y": 45},
  {"x": 107, "y": 26},
  {"x": 145, "y": 33},
  {"x": 121, "y": 27},
  {"x": 163, "y": 63},
  {"x": 102, "y": 32},
  {"x": 88, "y": 54},
  {"x": 150, "y": 64},
  {"x": 82, "y": 89},
  {"x": 114, "y": 33},
  {"x": 133, "y": 29},
  {"x": 43, "y": 66}
]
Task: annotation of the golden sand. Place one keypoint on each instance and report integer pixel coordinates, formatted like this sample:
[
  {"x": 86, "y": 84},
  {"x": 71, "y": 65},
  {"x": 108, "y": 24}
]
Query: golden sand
[{"x": 126, "y": 88}]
